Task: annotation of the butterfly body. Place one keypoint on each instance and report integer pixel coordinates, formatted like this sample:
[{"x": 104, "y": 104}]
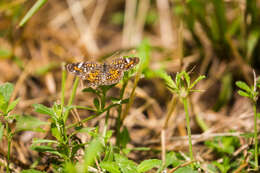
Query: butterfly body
[{"x": 96, "y": 74}]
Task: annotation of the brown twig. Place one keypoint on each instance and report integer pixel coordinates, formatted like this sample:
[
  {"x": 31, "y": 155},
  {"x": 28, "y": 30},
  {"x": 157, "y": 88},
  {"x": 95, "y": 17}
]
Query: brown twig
[{"x": 182, "y": 165}]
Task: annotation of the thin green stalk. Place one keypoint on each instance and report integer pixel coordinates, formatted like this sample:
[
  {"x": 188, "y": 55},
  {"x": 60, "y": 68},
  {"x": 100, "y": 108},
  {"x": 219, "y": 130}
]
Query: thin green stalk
[
  {"x": 119, "y": 111},
  {"x": 92, "y": 116},
  {"x": 106, "y": 124},
  {"x": 9, "y": 147},
  {"x": 255, "y": 136},
  {"x": 185, "y": 103},
  {"x": 63, "y": 79},
  {"x": 83, "y": 121},
  {"x": 85, "y": 108},
  {"x": 103, "y": 100},
  {"x": 72, "y": 96}
]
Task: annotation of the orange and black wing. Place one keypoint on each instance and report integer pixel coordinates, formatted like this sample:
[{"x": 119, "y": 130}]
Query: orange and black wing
[
  {"x": 112, "y": 75},
  {"x": 90, "y": 72},
  {"x": 125, "y": 63}
]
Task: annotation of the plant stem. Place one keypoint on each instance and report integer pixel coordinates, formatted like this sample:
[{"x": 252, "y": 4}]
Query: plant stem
[
  {"x": 255, "y": 136},
  {"x": 119, "y": 111},
  {"x": 63, "y": 79},
  {"x": 9, "y": 146},
  {"x": 185, "y": 103},
  {"x": 72, "y": 96}
]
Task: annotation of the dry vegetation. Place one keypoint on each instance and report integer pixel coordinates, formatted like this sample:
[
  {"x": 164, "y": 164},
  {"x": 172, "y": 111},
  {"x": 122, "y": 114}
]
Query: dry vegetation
[{"x": 218, "y": 39}]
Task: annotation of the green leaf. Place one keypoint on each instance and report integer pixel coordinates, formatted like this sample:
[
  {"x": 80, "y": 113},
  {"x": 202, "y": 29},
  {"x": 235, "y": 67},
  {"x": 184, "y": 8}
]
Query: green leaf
[
  {"x": 248, "y": 135},
  {"x": 234, "y": 26},
  {"x": 69, "y": 167},
  {"x": 32, "y": 11},
  {"x": 43, "y": 109},
  {"x": 1, "y": 131},
  {"x": 225, "y": 165},
  {"x": 12, "y": 105},
  {"x": 146, "y": 165},
  {"x": 220, "y": 19},
  {"x": 92, "y": 151},
  {"x": 29, "y": 123},
  {"x": 4, "y": 53},
  {"x": 111, "y": 167},
  {"x": 91, "y": 90},
  {"x": 12, "y": 117},
  {"x": 126, "y": 166},
  {"x": 86, "y": 130},
  {"x": 141, "y": 149},
  {"x": 124, "y": 138},
  {"x": 3, "y": 104},
  {"x": 108, "y": 135},
  {"x": 117, "y": 18},
  {"x": 252, "y": 41},
  {"x": 55, "y": 132},
  {"x": 197, "y": 80},
  {"x": 178, "y": 79},
  {"x": 167, "y": 78},
  {"x": 242, "y": 85},
  {"x": 96, "y": 103},
  {"x": 31, "y": 171},
  {"x": 115, "y": 100},
  {"x": 225, "y": 92},
  {"x": 39, "y": 141},
  {"x": 109, "y": 153},
  {"x": 46, "y": 68},
  {"x": 6, "y": 90},
  {"x": 224, "y": 144},
  {"x": 144, "y": 50},
  {"x": 186, "y": 169},
  {"x": 125, "y": 101},
  {"x": 171, "y": 159},
  {"x": 42, "y": 148},
  {"x": 187, "y": 78},
  {"x": 243, "y": 94}
]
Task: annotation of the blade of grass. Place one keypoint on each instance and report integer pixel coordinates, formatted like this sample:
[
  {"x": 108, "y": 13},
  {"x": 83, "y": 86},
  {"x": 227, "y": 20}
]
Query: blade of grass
[{"x": 32, "y": 11}]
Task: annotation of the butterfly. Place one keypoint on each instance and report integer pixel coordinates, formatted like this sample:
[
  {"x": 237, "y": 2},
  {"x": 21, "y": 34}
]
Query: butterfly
[{"x": 98, "y": 74}]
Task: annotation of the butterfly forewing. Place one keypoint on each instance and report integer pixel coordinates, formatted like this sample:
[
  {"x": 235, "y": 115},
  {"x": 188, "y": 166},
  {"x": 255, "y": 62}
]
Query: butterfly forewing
[{"x": 125, "y": 63}]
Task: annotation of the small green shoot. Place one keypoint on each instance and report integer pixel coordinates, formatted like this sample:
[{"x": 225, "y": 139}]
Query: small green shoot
[
  {"x": 252, "y": 94},
  {"x": 183, "y": 87},
  {"x": 225, "y": 146}
]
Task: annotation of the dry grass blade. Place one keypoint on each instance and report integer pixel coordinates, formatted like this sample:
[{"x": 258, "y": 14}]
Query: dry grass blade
[
  {"x": 86, "y": 34},
  {"x": 166, "y": 31}
]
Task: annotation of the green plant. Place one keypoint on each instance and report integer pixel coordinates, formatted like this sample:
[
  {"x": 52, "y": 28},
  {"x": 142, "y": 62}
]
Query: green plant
[
  {"x": 252, "y": 94},
  {"x": 64, "y": 147},
  {"x": 224, "y": 147},
  {"x": 183, "y": 87},
  {"x": 22, "y": 122}
]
